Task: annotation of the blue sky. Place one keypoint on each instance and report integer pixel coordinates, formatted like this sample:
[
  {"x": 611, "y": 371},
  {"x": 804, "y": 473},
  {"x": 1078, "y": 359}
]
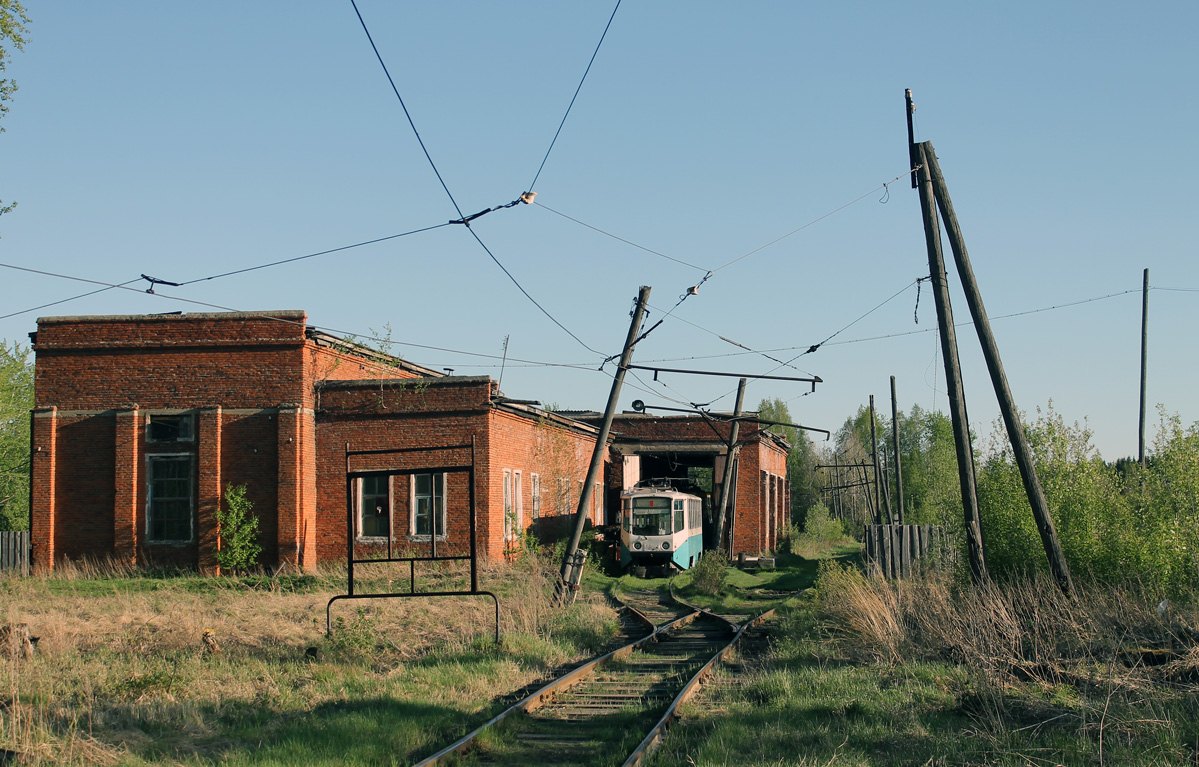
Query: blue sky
[{"x": 187, "y": 140}]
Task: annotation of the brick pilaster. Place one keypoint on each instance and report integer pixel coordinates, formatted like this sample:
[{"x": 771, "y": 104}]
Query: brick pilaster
[
  {"x": 127, "y": 474},
  {"x": 209, "y": 488},
  {"x": 297, "y": 487},
  {"x": 43, "y": 478}
]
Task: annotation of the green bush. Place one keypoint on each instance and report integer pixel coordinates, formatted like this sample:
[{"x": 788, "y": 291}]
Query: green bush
[
  {"x": 237, "y": 529},
  {"x": 707, "y": 577},
  {"x": 1111, "y": 525}
]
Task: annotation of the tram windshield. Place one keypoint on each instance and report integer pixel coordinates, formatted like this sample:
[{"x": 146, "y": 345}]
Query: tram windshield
[{"x": 651, "y": 516}]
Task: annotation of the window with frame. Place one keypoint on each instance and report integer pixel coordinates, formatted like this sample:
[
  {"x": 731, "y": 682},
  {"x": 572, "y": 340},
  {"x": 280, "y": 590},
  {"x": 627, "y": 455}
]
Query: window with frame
[
  {"x": 171, "y": 498},
  {"x": 374, "y": 506},
  {"x": 171, "y": 428},
  {"x": 518, "y": 504},
  {"x": 428, "y": 505},
  {"x": 535, "y": 495},
  {"x": 513, "y": 504}
]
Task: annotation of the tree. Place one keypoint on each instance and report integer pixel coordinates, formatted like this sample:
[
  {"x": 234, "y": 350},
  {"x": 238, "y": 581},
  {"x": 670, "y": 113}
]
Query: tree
[
  {"x": 802, "y": 475},
  {"x": 16, "y": 401},
  {"x": 12, "y": 31}
]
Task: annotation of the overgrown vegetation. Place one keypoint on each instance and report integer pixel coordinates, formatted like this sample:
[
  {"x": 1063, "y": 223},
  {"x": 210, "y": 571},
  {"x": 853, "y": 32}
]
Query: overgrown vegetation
[
  {"x": 121, "y": 677},
  {"x": 238, "y": 530},
  {"x": 708, "y": 575},
  {"x": 934, "y": 671},
  {"x": 1113, "y": 524},
  {"x": 1108, "y": 677},
  {"x": 1115, "y": 520},
  {"x": 820, "y": 532},
  {"x": 16, "y": 400}
]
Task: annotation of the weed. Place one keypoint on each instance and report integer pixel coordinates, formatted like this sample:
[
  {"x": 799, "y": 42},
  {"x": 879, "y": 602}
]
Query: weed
[
  {"x": 238, "y": 530},
  {"x": 708, "y": 575}
]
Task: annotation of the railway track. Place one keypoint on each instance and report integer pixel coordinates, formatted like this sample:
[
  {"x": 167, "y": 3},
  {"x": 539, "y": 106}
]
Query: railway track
[{"x": 611, "y": 710}]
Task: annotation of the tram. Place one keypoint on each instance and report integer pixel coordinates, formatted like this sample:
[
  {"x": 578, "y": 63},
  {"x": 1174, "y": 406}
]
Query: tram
[{"x": 660, "y": 526}]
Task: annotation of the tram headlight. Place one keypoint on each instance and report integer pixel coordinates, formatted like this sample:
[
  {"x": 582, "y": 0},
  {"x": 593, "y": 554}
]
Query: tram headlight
[
  {"x": 637, "y": 545},
  {"x": 666, "y": 545}
]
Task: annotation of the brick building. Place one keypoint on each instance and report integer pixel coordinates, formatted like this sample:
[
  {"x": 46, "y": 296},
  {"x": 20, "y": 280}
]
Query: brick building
[
  {"x": 648, "y": 446},
  {"x": 141, "y": 422}
]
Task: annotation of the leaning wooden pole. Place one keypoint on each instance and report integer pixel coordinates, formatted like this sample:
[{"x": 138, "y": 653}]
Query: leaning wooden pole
[
  {"x": 953, "y": 372},
  {"x": 898, "y": 464},
  {"x": 601, "y": 445},
  {"x": 878, "y": 473},
  {"x": 728, "y": 477},
  {"x": 1007, "y": 405}
]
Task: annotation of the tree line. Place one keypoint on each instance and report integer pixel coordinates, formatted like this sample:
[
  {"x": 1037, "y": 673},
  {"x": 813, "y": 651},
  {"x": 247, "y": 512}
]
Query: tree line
[{"x": 1115, "y": 519}]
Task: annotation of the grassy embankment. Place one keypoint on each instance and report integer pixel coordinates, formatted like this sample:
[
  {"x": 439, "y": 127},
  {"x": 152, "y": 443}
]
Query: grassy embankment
[
  {"x": 859, "y": 672},
  {"x": 936, "y": 672},
  {"x": 120, "y": 676}
]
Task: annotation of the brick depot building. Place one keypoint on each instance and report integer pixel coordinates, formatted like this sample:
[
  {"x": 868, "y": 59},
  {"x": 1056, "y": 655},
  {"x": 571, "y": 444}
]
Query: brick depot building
[{"x": 141, "y": 422}]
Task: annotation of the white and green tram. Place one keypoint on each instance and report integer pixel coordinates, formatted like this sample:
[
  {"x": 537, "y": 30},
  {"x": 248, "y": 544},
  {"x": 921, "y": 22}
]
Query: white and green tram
[{"x": 660, "y": 526}]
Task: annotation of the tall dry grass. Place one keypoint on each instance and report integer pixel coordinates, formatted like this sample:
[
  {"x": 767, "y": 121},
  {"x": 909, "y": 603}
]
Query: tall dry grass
[
  {"x": 1114, "y": 667},
  {"x": 121, "y": 676},
  {"x": 1024, "y": 627}
]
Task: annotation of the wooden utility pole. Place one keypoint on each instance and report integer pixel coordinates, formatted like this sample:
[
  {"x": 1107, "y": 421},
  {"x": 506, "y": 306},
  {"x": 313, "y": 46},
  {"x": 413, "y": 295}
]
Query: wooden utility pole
[
  {"x": 953, "y": 371},
  {"x": 895, "y": 439},
  {"x": 840, "y": 505},
  {"x": 878, "y": 473},
  {"x": 570, "y": 573},
  {"x": 729, "y": 476},
  {"x": 1007, "y": 405},
  {"x": 1144, "y": 366}
]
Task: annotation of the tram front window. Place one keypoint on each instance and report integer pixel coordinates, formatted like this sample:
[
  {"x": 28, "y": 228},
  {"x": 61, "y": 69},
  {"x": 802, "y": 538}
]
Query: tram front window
[{"x": 651, "y": 522}]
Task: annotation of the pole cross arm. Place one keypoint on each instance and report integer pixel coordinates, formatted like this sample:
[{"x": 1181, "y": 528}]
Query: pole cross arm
[{"x": 641, "y": 407}]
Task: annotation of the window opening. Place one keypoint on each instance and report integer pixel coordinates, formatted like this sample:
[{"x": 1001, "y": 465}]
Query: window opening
[
  {"x": 374, "y": 507},
  {"x": 170, "y": 502},
  {"x": 170, "y": 428},
  {"x": 428, "y": 505},
  {"x": 435, "y": 474}
]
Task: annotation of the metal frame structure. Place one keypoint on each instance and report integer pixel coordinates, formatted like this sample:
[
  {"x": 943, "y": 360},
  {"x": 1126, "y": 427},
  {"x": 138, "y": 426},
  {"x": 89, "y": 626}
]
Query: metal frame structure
[{"x": 351, "y": 560}]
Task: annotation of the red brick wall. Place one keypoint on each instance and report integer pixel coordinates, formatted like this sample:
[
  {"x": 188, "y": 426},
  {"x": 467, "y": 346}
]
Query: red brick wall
[
  {"x": 374, "y": 415},
  {"x": 172, "y": 361},
  {"x": 434, "y": 413},
  {"x": 761, "y": 469}
]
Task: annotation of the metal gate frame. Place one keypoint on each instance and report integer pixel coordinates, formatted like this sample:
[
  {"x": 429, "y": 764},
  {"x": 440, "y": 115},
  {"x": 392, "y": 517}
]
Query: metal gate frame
[{"x": 351, "y": 560}]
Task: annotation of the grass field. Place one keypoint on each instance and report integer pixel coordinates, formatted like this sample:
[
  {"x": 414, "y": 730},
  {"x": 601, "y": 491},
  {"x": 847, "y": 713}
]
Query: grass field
[
  {"x": 859, "y": 672},
  {"x": 121, "y": 677}
]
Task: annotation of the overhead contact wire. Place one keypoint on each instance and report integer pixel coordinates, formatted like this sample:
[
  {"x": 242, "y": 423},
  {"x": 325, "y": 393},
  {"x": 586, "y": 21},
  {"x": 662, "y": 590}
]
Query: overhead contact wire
[
  {"x": 313, "y": 255},
  {"x": 572, "y": 98},
  {"x": 404, "y": 106},
  {"x": 461, "y": 217}
]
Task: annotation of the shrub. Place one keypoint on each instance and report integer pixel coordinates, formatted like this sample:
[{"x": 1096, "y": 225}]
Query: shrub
[
  {"x": 820, "y": 532},
  {"x": 707, "y": 577},
  {"x": 237, "y": 530}
]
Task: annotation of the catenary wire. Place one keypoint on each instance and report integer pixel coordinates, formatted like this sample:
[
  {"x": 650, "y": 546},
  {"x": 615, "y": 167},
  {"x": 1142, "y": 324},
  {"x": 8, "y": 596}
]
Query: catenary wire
[
  {"x": 404, "y": 106},
  {"x": 206, "y": 304},
  {"x": 621, "y": 239},
  {"x": 747, "y": 349},
  {"x": 815, "y": 221},
  {"x": 65, "y": 300},
  {"x": 461, "y": 217},
  {"x": 314, "y": 255},
  {"x": 575, "y": 96},
  {"x": 919, "y": 331},
  {"x": 522, "y": 290}
]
